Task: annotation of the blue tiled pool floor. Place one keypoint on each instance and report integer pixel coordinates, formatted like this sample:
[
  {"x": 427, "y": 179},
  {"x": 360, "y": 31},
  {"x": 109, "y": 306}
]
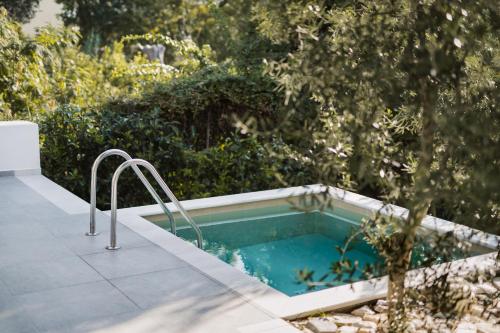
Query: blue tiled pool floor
[
  {"x": 277, "y": 262},
  {"x": 275, "y": 247},
  {"x": 274, "y": 244}
]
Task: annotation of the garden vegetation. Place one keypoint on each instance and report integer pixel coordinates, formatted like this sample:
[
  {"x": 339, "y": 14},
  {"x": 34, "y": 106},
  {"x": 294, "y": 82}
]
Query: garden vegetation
[{"x": 396, "y": 100}]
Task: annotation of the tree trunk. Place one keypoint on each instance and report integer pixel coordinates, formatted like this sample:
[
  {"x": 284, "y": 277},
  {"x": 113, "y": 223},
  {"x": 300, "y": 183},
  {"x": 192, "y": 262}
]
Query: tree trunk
[{"x": 402, "y": 242}]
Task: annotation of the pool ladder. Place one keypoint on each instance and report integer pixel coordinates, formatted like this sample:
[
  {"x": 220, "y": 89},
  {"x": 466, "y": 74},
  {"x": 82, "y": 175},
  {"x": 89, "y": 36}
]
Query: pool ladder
[{"x": 134, "y": 163}]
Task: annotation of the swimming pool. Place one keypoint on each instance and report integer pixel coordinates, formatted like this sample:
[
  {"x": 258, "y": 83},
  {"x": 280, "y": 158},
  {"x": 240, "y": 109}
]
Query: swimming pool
[
  {"x": 274, "y": 243},
  {"x": 255, "y": 244}
]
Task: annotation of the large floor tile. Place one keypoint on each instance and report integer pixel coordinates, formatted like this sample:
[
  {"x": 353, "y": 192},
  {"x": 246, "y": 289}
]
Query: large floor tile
[
  {"x": 22, "y": 230},
  {"x": 16, "y": 322},
  {"x": 32, "y": 251},
  {"x": 82, "y": 245},
  {"x": 127, "y": 262},
  {"x": 10, "y": 212},
  {"x": 13, "y": 317},
  {"x": 218, "y": 315},
  {"x": 221, "y": 314},
  {"x": 64, "y": 308},
  {"x": 8, "y": 180},
  {"x": 100, "y": 324},
  {"x": 4, "y": 293},
  {"x": 44, "y": 275},
  {"x": 43, "y": 211},
  {"x": 75, "y": 225},
  {"x": 21, "y": 194},
  {"x": 10, "y": 186},
  {"x": 151, "y": 289}
]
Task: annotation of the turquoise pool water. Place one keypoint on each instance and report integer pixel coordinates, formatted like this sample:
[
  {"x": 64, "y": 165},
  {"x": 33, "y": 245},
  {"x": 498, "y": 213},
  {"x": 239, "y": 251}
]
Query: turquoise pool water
[{"x": 273, "y": 244}]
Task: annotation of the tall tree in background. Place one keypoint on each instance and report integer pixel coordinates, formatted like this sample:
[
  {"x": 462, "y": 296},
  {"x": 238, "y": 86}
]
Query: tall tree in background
[
  {"x": 407, "y": 109},
  {"x": 20, "y": 10},
  {"x": 101, "y": 21},
  {"x": 226, "y": 26}
]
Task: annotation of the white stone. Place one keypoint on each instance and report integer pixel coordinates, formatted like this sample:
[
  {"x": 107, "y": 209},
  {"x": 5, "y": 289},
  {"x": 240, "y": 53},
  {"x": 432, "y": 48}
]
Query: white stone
[
  {"x": 344, "y": 319},
  {"x": 367, "y": 330},
  {"x": 364, "y": 310},
  {"x": 321, "y": 325},
  {"x": 476, "y": 310},
  {"x": 348, "y": 329},
  {"x": 485, "y": 327},
  {"x": 466, "y": 327},
  {"x": 416, "y": 324},
  {"x": 443, "y": 329},
  {"x": 383, "y": 302},
  {"x": 365, "y": 324},
  {"x": 381, "y": 308},
  {"x": 475, "y": 319},
  {"x": 485, "y": 288},
  {"x": 375, "y": 318}
]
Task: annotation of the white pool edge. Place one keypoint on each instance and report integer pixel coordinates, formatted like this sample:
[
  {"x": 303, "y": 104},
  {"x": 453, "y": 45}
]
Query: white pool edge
[{"x": 266, "y": 297}]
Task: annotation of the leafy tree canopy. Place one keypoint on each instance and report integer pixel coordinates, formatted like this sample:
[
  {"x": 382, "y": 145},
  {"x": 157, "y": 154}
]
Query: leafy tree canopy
[
  {"x": 407, "y": 109},
  {"x": 20, "y": 10},
  {"x": 226, "y": 26}
]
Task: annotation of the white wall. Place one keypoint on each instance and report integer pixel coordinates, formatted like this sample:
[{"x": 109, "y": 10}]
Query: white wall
[
  {"x": 19, "y": 148},
  {"x": 46, "y": 14}
]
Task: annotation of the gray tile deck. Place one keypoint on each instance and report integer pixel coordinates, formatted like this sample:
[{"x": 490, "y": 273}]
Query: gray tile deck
[
  {"x": 63, "y": 307},
  {"x": 22, "y": 230},
  {"x": 219, "y": 314},
  {"x": 61, "y": 226},
  {"x": 33, "y": 250},
  {"x": 90, "y": 245},
  {"x": 16, "y": 322},
  {"x": 101, "y": 324},
  {"x": 13, "y": 317},
  {"x": 55, "y": 279},
  {"x": 127, "y": 262},
  {"x": 152, "y": 289},
  {"x": 45, "y": 275}
]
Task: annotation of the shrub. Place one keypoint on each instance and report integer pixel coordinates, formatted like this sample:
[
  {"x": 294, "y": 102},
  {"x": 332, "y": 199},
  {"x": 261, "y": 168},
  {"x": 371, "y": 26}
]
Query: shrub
[
  {"x": 72, "y": 138},
  {"x": 39, "y": 74},
  {"x": 205, "y": 103}
]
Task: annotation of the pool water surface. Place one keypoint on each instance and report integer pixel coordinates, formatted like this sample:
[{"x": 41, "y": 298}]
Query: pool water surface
[{"x": 274, "y": 244}]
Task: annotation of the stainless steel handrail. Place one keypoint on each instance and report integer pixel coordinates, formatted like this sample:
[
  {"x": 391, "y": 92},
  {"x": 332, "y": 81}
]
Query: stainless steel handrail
[
  {"x": 93, "y": 189},
  {"x": 114, "y": 202}
]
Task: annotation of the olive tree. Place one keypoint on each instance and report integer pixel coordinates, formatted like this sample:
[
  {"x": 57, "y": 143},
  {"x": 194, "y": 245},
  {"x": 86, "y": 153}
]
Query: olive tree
[{"x": 406, "y": 96}]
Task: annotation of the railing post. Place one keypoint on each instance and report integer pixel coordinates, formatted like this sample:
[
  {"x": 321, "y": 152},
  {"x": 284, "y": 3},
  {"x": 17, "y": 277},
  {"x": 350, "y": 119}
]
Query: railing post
[
  {"x": 114, "y": 200},
  {"x": 93, "y": 190}
]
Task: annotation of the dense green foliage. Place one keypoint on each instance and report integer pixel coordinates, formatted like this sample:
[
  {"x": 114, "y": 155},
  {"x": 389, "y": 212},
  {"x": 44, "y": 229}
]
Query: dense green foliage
[
  {"x": 37, "y": 75},
  {"x": 226, "y": 26},
  {"x": 394, "y": 99},
  {"x": 41, "y": 73},
  {"x": 74, "y": 137},
  {"x": 183, "y": 114},
  {"x": 112, "y": 19},
  {"x": 365, "y": 65},
  {"x": 408, "y": 98},
  {"x": 205, "y": 103},
  {"x": 20, "y": 10}
]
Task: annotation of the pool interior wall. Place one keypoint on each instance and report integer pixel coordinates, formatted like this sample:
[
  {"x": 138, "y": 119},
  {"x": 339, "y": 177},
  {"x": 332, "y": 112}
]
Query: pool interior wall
[{"x": 273, "y": 241}]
